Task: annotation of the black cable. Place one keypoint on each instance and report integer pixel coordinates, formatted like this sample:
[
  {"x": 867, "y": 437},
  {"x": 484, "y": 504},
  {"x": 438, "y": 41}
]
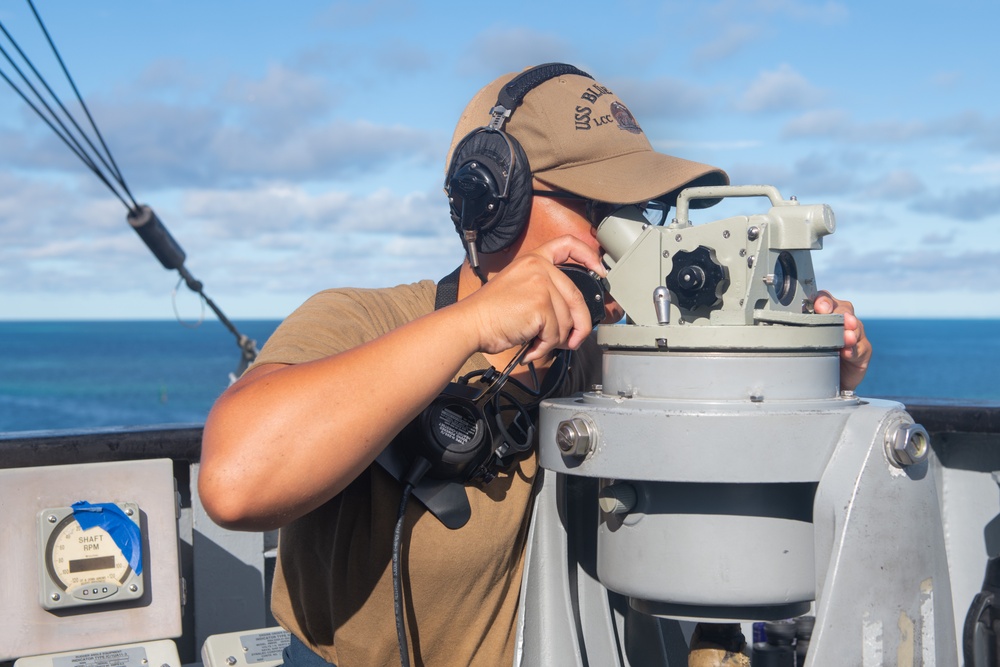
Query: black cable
[
  {"x": 479, "y": 273},
  {"x": 81, "y": 152},
  {"x": 248, "y": 345},
  {"x": 397, "y": 580},
  {"x": 84, "y": 158},
  {"x": 79, "y": 97},
  {"x": 417, "y": 469},
  {"x": 158, "y": 240}
]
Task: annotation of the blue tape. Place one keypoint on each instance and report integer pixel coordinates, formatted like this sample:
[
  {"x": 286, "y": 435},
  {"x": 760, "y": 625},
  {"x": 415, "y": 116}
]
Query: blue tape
[{"x": 115, "y": 523}]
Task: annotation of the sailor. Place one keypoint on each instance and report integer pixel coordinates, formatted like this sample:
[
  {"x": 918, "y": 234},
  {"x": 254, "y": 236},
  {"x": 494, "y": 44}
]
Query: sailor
[{"x": 293, "y": 443}]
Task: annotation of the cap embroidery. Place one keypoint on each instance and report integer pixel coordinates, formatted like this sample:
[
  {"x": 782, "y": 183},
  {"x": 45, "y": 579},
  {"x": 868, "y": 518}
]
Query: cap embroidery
[
  {"x": 593, "y": 92},
  {"x": 582, "y": 114},
  {"x": 626, "y": 121}
]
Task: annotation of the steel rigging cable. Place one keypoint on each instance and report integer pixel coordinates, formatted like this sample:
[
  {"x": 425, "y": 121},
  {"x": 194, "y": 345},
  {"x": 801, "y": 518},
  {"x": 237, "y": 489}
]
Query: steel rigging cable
[{"x": 141, "y": 218}]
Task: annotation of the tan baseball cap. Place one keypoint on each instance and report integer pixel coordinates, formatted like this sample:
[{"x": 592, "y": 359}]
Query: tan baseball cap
[{"x": 580, "y": 138}]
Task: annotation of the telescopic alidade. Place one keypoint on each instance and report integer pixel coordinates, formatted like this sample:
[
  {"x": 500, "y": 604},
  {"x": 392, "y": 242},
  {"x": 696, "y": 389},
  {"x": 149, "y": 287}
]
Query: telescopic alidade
[{"x": 719, "y": 473}]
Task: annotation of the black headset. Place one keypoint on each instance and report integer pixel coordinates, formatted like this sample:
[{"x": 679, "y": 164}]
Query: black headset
[
  {"x": 489, "y": 179},
  {"x": 478, "y": 425}
]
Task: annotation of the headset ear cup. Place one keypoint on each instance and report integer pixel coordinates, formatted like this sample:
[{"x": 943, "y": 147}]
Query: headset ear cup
[
  {"x": 507, "y": 166},
  {"x": 519, "y": 198}
]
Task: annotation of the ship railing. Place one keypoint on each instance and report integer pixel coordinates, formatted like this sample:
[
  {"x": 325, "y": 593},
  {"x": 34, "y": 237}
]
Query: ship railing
[{"x": 228, "y": 574}]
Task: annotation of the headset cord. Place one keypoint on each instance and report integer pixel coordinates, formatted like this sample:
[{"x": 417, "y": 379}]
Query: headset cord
[
  {"x": 413, "y": 476},
  {"x": 417, "y": 469},
  {"x": 397, "y": 584}
]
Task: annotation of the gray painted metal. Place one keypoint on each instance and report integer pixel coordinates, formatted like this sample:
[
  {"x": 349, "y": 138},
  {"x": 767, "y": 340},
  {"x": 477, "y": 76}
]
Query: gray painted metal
[
  {"x": 884, "y": 585},
  {"x": 966, "y": 451},
  {"x": 771, "y": 376},
  {"x": 27, "y": 629},
  {"x": 747, "y": 508},
  {"x": 229, "y": 572}
]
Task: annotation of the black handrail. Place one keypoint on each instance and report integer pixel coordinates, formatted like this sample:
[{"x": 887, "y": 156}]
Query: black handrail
[{"x": 25, "y": 449}]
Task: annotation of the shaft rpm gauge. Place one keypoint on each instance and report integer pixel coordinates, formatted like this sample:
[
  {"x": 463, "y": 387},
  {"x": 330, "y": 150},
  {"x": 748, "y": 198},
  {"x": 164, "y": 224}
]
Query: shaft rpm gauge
[{"x": 91, "y": 554}]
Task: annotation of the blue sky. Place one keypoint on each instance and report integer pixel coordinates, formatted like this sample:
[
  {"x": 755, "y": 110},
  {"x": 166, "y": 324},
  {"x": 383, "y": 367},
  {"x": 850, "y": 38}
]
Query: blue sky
[{"x": 297, "y": 147}]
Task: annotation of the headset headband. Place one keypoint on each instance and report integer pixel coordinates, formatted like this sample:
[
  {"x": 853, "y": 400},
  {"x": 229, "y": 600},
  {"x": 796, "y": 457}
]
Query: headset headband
[{"x": 512, "y": 94}]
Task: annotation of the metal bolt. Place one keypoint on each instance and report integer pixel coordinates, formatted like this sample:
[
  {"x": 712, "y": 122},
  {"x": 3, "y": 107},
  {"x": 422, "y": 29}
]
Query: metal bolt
[
  {"x": 54, "y": 597},
  {"x": 769, "y": 279},
  {"x": 597, "y": 388},
  {"x": 128, "y": 511},
  {"x": 133, "y": 588},
  {"x": 743, "y": 252},
  {"x": 750, "y": 262},
  {"x": 231, "y": 660},
  {"x": 753, "y": 233},
  {"x": 678, "y": 238},
  {"x": 725, "y": 234},
  {"x": 619, "y": 498},
  {"x": 666, "y": 253},
  {"x": 577, "y": 436},
  {"x": 907, "y": 444},
  {"x": 51, "y": 518}
]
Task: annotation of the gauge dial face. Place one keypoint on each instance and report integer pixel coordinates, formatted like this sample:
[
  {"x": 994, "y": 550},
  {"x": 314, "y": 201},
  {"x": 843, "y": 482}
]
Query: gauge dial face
[{"x": 85, "y": 559}]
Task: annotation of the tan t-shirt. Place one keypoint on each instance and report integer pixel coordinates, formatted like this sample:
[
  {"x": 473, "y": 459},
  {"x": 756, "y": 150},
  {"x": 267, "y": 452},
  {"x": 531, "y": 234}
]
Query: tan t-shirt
[{"x": 333, "y": 581}]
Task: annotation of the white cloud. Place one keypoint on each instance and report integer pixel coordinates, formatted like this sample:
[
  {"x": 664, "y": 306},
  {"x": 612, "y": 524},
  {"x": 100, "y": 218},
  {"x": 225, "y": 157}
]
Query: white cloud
[
  {"x": 838, "y": 124},
  {"x": 971, "y": 205},
  {"x": 669, "y": 145},
  {"x": 783, "y": 89},
  {"x": 281, "y": 209},
  {"x": 663, "y": 97},
  {"x": 502, "y": 49},
  {"x": 820, "y": 123},
  {"x": 895, "y": 185},
  {"x": 340, "y": 148},
  {"x": 281, "y": 97},
  {"x": 352, "y": 15},
  {"x": 730, "y": 41},
  {"x": 988, "y": 167},
  {"x": 825, "y": 13},
  {"x": 927, "y": 270}
]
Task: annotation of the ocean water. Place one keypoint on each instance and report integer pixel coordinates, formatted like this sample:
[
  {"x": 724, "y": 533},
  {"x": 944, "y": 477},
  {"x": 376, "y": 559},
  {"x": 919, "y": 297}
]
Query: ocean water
[
  {"x": 64, "y": 375},
  {"x": 59, "y": 375}
]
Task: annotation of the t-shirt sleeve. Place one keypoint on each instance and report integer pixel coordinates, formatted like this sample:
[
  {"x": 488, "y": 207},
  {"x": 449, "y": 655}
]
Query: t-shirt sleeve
[{"x": 336, "y": 320}]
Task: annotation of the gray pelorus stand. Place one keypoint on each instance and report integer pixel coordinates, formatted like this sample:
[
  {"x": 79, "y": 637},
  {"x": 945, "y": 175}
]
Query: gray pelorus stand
[{"x": 720, "y": 473}]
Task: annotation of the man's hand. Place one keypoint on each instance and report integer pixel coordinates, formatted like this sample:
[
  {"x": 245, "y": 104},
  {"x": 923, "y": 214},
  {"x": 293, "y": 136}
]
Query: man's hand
[
  {"x": 532, "y": 300},
  {"x": 857, "y": 350}
]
